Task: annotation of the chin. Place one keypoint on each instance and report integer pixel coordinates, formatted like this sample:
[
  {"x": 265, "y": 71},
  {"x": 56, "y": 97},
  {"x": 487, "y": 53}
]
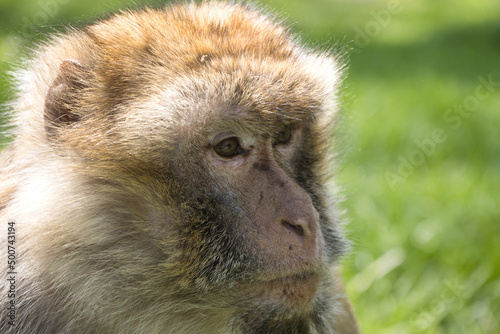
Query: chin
[{"x": 288, "y": 294}]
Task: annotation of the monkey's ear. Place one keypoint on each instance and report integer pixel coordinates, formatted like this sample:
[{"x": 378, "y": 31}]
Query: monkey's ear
[{"x": 62, "y": 96}]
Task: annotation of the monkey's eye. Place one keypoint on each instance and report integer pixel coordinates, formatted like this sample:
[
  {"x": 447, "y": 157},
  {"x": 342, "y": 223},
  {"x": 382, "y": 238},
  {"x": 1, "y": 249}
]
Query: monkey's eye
[
  {"x": 284, "y": 136},
  {"x": 228, "y": 147}
]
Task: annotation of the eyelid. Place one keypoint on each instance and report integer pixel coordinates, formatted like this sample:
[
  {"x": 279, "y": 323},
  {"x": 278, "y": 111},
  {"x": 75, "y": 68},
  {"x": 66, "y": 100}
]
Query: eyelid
[{"x": 222, "y": 136}]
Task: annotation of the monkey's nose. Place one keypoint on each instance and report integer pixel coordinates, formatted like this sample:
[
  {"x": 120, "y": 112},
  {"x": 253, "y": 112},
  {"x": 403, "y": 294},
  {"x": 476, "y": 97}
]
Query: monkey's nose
[
  {"x": 300, "y": 221},
  {"x": 300, "y": 235},
  {"x": 294, "y": 227}
]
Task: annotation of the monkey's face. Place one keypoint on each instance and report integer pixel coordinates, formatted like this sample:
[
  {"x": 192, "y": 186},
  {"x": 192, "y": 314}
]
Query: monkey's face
[{"x": 257, "y": 228}]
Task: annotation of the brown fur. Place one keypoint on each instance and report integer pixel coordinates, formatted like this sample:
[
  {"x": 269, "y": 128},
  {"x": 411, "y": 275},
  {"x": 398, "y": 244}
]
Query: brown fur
[{"x": 128, "y": 222}]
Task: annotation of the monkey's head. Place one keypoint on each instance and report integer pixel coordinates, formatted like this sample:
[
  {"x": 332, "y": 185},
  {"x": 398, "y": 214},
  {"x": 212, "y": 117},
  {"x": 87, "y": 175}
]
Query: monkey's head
[{"x": 205, "y": 129}]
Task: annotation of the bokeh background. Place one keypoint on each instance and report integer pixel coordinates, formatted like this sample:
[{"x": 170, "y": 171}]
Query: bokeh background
[{"x": 420, "y": 136}]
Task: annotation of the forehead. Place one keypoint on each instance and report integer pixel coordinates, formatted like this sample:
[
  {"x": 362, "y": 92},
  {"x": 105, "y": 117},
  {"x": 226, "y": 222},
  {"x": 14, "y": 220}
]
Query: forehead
[
  {"x": 195, "y": 67},
  {"x": 243, "y": 96}
]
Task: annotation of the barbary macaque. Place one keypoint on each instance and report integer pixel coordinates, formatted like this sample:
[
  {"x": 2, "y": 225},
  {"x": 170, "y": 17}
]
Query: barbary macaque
[{"x": 168, "y": 175}]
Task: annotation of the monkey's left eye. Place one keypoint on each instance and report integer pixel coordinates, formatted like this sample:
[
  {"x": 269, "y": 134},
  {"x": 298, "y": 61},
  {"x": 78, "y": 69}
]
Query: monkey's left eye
[
  {"x": 228, "y": 147},
  {"x": 284, "y": 136}
]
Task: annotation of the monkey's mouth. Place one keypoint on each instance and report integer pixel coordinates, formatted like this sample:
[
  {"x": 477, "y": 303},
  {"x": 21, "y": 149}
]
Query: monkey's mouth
[{"x": 294, "y": 291}]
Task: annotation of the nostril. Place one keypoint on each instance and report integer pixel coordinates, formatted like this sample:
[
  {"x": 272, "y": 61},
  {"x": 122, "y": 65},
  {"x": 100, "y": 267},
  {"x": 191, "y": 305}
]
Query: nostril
[{"x": 295, "y": 228}]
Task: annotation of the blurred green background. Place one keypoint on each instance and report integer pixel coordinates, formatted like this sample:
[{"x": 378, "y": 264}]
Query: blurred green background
[{"x": 421, "y": 168}]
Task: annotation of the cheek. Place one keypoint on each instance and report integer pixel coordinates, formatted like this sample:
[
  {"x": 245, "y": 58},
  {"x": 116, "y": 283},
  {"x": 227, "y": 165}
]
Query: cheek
[
  {"x": 214, "y": 242},
  {"x": 163, "y": 224}
]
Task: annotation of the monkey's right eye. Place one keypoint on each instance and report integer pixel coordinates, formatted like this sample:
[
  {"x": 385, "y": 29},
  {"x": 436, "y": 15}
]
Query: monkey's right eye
[{"x": 228, "y": 147}]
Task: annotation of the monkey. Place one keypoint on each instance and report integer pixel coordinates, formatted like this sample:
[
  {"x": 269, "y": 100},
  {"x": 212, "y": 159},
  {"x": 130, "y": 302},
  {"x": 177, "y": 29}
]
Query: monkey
[{"x": 168, "y": 173}]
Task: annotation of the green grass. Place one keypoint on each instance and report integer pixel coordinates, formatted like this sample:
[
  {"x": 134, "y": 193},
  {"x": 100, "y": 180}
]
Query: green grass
[{"x": 425, "y": 257}]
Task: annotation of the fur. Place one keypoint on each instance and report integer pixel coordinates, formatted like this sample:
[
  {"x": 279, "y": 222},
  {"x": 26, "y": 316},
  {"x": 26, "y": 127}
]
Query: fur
[{"x": 120, "y": 227}]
